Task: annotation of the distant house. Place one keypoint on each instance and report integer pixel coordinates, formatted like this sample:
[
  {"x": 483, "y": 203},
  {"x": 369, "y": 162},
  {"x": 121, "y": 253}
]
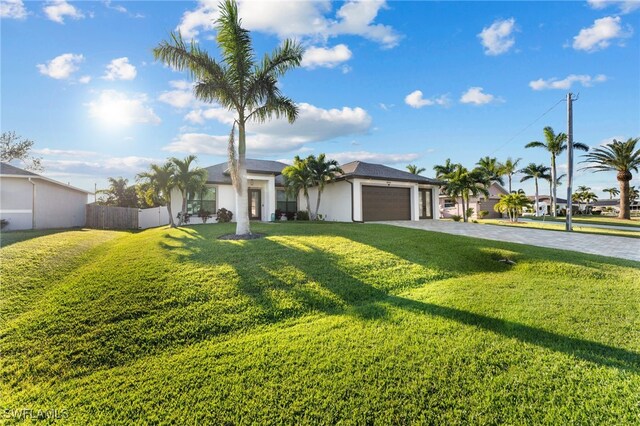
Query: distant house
[
  {"x": 613, "y": 207},
  {"x": 453, "y": 206},
  {"x": 364, "y": 192},
  {"x": 544, "y": 204},
  {"x": 32, "y": 201}
]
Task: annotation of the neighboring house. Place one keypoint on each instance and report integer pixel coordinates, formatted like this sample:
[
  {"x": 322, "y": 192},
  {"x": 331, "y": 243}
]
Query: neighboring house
[
  {"x": 613, "y": 207},
  {"x": 544, "y": 204},
  {"x": 364, "y": 192},
  {"x": 32, "y": 201},
  {"x": 450, "y": 207}
]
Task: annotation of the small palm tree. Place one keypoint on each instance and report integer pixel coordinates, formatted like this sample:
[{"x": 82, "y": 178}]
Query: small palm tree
[
  {"x": 160, "y": 180},
  {"x": 634, "y": 194},
  {"x": 621, "y": 157},
  {"x": 444, "y": 169},
  {"x": 512, "y": 204},
  {"x": 462, "y": 183},
  {"x": 119, "y": 193},
  {"x": 239, "y": 83},
  {"x": 509, "y": 168},
  {"x": 555, "y": 144},
  {"x": 298, "y": 177},
  {"x": 492, "y": 168},
  {"x": 535, "y": 172},
  {"x": 323, "y": 171},
  {"x": 188, "y": 180},
  {"x": 415, "y": 170},
  {"x": 613, "y": 192}
]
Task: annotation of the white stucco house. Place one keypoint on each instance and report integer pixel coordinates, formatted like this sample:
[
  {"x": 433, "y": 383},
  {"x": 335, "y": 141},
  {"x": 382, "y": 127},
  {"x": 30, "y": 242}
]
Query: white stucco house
[
  {"x": 32, "y": 201},
  {"x": 363, "y": 192}
]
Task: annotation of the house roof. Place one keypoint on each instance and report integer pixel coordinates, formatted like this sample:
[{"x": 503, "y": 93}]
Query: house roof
[
  {"x": 360, "y": 169},
  {"x": 9, "y": 170},
  {"x": 219, "y": 173},
  {"x": 546, "y": 197}
]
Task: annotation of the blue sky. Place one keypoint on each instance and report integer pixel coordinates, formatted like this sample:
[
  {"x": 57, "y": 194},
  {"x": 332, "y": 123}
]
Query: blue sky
[{"x": 385, "y": 82}]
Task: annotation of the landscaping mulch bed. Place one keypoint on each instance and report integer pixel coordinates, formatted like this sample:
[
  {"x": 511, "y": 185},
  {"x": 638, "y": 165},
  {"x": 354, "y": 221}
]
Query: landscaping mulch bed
[{"x": 252, "y": 236}]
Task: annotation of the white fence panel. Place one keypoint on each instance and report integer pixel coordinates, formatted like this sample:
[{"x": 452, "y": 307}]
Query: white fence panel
[{"x": 150, "y": 218}]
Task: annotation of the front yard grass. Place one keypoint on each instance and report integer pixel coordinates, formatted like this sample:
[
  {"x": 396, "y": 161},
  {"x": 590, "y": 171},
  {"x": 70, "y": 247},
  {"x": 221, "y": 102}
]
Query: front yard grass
[{"x": 315, "y": 324}]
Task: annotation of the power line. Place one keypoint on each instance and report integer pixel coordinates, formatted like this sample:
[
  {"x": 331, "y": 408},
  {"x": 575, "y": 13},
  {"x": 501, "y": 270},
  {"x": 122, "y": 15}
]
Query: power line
[{"x": 528, "y": 125}]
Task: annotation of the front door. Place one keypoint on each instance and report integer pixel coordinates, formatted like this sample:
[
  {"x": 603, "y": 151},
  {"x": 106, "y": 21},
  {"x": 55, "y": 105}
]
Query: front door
[
  {"x": 255, "y": 204},
  {"x": 426, "y": 204}
]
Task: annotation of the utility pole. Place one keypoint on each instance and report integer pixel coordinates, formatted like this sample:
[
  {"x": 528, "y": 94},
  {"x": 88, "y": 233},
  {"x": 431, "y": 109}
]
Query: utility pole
[{"x": 568, "y": 226}]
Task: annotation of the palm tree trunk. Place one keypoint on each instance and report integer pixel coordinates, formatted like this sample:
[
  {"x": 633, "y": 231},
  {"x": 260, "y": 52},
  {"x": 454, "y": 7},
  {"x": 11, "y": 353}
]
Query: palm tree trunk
[
  {"x": 315, "y": 216},
  {"x": 554, "y": 185},
  {"x": 183, "y": 210},
  {"x": 242, "y": 194},
  {"x": 173, "y": 225},
  {"x": 306, "y": 196},
  {"x": 625, "y": 207},
  {"x": 509, "y": 183},
  {"x": 537, "y": 207},
  {"x": 464, "y": 208}
]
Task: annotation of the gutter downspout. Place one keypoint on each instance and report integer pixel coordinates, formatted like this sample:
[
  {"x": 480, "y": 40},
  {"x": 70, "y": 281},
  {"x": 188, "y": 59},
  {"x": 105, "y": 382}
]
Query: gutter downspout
[
  {"x": 352, "y": 203},
  {"x": 33, "y": 204}
]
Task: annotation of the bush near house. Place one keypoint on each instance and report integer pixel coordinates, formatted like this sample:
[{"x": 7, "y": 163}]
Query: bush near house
[{"x": 223, "y": 215}]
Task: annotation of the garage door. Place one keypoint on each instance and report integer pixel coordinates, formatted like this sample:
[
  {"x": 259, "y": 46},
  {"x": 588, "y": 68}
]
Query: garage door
[{"x": 385, "y": 203}]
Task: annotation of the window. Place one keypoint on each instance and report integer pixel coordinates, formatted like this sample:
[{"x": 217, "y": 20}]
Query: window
[
  {"x": 449, "y": 203},
  {"x": 285, "y": 202},
  {"x": 203, "y": 200}
]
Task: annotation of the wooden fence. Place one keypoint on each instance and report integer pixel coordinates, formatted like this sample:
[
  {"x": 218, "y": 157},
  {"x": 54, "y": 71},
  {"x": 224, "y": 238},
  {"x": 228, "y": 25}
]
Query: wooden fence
[{"x": 109, "y": 217}]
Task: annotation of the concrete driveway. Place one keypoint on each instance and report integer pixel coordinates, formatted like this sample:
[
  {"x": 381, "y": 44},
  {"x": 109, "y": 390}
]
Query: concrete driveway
[{"x": 604, "y": 245}]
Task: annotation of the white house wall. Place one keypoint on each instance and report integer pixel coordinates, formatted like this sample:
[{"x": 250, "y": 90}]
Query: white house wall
[
  {"x": 16, "y": 203},
  {"x": 335, "y": 204}
]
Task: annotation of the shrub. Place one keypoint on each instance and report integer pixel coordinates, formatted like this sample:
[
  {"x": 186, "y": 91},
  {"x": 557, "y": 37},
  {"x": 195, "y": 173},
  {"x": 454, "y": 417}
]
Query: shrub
[
  {"x": 456, "y": 218},
  {"x": 204, "y": 215},
  {"x": 3, "y": 223},
  {"x": 302, "y": 215},
  {"x": 223, "y": 215},
  {"x": 483, "y": 213},
  {"x": 187, "y": 216},
  {"x": 474, "y": 221},
  {"x": 469, "y": 212},
  {"x": 596, "y": 212}
]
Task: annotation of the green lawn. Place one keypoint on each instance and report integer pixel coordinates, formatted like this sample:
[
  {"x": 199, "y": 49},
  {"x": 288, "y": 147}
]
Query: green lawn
[
  {"x": 554, "y": 226},
  {"x": 598, "y": 220},
  {"x": 316, "y": 323}
]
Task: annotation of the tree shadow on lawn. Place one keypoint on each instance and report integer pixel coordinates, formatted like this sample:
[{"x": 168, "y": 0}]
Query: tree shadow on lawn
[{"x": 324, "y": 286}]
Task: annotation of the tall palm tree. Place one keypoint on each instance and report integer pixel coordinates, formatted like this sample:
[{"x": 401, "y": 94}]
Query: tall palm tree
[
  {"x": 323, "y": 171},
  {"x": 188, "y": 180},
  {"x": 621, "y": 157},
  {"x": 120, "y": 193},
  {"x": 535, "y": 172},
  {"x": 462, "y": 183},
  {"x": 555, "y": 144},
  {"x": 444, "y": 169},
  {"x": 239, "y": 83},
  {"x": 509, "y": 168},
  {"x": 492, "y": 168},
  {"x": 415, "y": 170},
  {"x": 298, "y": 177},
  {"x": 161, "y": 181},
  {"x": 613, "y": 192}
]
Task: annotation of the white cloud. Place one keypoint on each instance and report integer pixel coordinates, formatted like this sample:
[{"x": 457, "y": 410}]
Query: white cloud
[
  {"x": 373, "y": 157},
  {"x": 298, "y": 19},
  {"x": 120, "y": 69},
  {"x": 13, "y": 9},
  {"x": 415, "y": 99},
  {"x": 325, "y": 57},
  {"x": 567, "y": 82},
  {"x": 119, "y": 109},
  {"x": 498, "y": 37},
  {"x": 600, "y": 34},
  {"x": 624, "y": 6},
  {"x": 313, "y": 125},
  {"x": 181, "y": 97},
  {"x": 476, "y": 96},
  {"x": 56, "y": 11},
  {"x": 117, "y": 7},
  {"x": 61, "y": 67},
  {"x": 84, "y": 79}
]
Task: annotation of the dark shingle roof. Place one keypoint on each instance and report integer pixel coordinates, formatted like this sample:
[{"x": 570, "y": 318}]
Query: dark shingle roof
[
  {"x": 219, "y": 173},
  {"x": 8, "y": 169},
  {"x": 546, "y": 197},
  {"x": 360, "y": 169}
]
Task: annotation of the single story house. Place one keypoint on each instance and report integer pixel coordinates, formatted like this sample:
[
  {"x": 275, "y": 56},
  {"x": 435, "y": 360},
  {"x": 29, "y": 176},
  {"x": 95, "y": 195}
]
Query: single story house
[
  {"x": 363, "y": 192},
  {"x": 32, "y": 201},
  {"x": 544, "y": 204},
  {"x": 612, "y": 207},
  {"x": 451, "y": 207}
]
